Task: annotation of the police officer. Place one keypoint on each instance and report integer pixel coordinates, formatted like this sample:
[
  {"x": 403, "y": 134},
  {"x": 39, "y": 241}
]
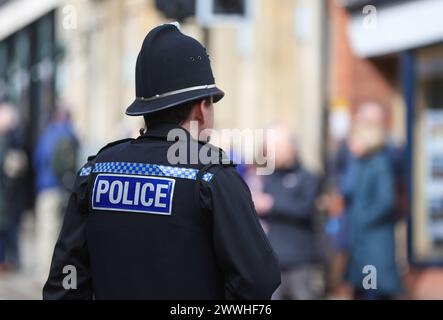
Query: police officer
[{"x": 141, "y": 227}]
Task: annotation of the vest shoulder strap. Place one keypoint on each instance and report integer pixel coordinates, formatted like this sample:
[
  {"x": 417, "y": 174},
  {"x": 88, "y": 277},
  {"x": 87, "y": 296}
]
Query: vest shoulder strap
[{"x": 114, "y": 143}]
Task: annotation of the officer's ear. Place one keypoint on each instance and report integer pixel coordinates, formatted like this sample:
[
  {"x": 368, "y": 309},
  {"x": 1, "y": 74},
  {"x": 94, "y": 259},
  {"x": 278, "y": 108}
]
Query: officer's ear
[
  {"x": 199, "y": 111},
  {"x": 195, "y": 113},
  {"x": 202, "y": 112}
]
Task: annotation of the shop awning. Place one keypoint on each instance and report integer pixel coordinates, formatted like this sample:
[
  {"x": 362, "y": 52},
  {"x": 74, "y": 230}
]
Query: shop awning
[
  {"x": 15, "y": 15},
  {"x": 400, "y": 25}
]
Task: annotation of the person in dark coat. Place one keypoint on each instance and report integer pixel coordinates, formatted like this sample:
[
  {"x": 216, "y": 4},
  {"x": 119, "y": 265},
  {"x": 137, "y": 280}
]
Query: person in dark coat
[
  {"x": 13, "y": 168},
  {"x": 287, "y": 206},
  {"x": 369, "y": 195}
]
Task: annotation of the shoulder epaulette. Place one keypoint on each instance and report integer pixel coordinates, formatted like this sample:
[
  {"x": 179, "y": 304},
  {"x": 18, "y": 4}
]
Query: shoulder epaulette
[
  {"x": 91, "y": 158},
  {"x": 114, "y": 143}
]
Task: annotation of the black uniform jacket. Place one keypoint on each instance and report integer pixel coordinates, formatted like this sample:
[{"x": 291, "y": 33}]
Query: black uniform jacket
[{"x": 139, "y": 227}]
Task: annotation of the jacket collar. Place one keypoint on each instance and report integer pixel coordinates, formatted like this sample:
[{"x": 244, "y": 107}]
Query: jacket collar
[{"x": 162, "y": 130}]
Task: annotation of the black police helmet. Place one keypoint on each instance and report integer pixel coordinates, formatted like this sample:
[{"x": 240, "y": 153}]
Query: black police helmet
[{"x": 171, "y": 69}]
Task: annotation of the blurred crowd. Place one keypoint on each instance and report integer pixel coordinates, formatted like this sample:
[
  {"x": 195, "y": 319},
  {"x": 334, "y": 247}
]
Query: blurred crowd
[
  {"x": 328, "y": 229},
  {"x": 325, "y": 228},
  {"x": 45, "y": 174}
]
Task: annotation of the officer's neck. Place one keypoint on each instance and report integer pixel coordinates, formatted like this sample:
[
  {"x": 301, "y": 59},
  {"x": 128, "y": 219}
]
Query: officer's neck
[{"x": 195, "y": 129}]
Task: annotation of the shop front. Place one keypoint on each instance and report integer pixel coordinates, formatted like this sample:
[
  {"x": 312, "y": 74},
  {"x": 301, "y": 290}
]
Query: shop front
[
  {"x": 394, "y": 31},
  {"x": 427, "y": 155}
]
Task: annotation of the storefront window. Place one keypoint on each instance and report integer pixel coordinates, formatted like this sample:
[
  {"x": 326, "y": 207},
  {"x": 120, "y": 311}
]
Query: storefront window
[{"x": 428, "y": 157}]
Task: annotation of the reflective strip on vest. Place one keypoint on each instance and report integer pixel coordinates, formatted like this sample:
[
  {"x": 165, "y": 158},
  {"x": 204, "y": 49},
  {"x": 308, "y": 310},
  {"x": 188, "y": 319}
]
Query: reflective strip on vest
[{"x": 144, "y": 169}]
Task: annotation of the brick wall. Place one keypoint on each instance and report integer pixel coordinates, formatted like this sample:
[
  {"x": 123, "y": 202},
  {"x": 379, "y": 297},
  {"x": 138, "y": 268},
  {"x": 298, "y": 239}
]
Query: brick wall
[{"x": 353, "y": 79}]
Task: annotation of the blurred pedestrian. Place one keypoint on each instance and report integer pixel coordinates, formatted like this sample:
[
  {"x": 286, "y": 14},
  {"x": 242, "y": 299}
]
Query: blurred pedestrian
[
  {"x": 13, "y": 168},
  {"x": 287, "y": 204},
  {"x": 368, "y": 188},
  {"x": 54, "y": 164},
  {"x": 336, "y": 225}
]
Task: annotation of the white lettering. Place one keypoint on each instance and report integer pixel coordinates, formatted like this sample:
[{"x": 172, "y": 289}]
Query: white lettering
[
  {"x": 125, "y": 194},
  {"x": 159, "y": 194},
  {"x": 119, "y": 185},
  {"x": 102, "y": 187},
  {"x": 136, "y": 193},
  {"x": 143, "y": 194}
]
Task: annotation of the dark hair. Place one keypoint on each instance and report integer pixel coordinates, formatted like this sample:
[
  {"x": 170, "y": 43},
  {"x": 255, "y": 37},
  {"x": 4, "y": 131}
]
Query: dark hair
[{"x": 175, "y": 115}]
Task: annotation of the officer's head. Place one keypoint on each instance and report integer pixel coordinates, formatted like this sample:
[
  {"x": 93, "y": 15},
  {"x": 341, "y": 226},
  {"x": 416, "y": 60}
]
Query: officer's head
[{"x": 174, "y": 80}]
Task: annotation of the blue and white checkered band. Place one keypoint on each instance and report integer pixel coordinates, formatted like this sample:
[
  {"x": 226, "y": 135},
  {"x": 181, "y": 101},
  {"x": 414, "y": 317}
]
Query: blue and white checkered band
[
  {"x": 145, "y": 169},
  {"x": 85, "y": 171}
]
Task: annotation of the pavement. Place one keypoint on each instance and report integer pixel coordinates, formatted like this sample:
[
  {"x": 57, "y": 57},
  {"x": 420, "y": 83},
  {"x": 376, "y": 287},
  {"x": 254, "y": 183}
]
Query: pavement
[
  {"x": 23, "y": 284},
  {"x": 19, "y": 286}
]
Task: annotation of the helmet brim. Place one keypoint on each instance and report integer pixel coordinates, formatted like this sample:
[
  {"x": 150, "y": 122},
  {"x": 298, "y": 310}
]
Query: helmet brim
[{"x": 141, "y": 107}]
